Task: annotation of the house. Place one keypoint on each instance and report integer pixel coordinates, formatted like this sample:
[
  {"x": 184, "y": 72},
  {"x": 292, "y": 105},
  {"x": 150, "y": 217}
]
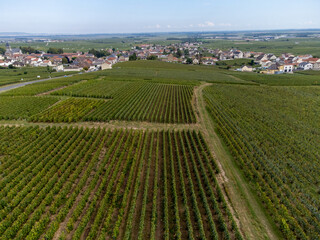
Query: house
[
  {"x": 195, "y": 61},
  {"x": 303, "y": 57},
  {"x": 72, "y": 68},
  {"x": 271, "y": 57},
  {"x": 246, "y": 69},
  {"x": 18, "y": 64},
  {"x": 305, "y": 66},
  {"x": 316, "y": 66},
  {"x": 46, "y": 63},
  {"x": 272, "y": 69},
  {"x": 265, "y": 63},
  {"x": 312, "y": 60},
  {"x": 106, "y": 65},
  {"x": 236, "y": 54},
  {"x": 247, "y": 55},
  {"x": 124, "y": 58},
  {"x": 59, "y": 68},
  {"x": 288, "y": 68},
  {"x": 113, "y": 59}
]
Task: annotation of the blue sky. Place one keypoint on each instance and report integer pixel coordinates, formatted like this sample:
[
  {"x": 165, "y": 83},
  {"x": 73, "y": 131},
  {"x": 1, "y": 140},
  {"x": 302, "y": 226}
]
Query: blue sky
[{"x": 134, "y": 16}]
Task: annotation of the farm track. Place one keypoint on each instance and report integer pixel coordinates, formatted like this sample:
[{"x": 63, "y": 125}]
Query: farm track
[
  {"x": 246, "y": 210},
  {"x": 112, "y": 125}
]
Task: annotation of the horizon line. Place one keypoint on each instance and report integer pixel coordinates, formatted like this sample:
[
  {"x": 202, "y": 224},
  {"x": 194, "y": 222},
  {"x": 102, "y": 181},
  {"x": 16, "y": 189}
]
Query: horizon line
[{"x": 159, "y": 32}]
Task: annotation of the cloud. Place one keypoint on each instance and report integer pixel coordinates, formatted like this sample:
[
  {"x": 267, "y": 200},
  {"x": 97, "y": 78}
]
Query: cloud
[
  {"x": 308, "y": 23},
  {"x": 157, "y": 26},
  {"x": 225, "y": 24},
  {"x": 168, "y": 26},
  {"x": 206, "y": 24}
]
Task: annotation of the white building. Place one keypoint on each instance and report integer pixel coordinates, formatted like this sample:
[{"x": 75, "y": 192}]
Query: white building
[
  {"x": 288, "y": 68},
  {"x": 306, "y": 66}
]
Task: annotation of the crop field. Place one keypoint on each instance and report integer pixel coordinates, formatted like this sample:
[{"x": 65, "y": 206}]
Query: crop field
[
  {"x": 46, "y": 86},
  {"x": 94, "y": 89},
  {"x": 273, "y": 135},
  {"x": 9, "y": 76},
  {"x": 148, "y": 102},
  {"x": 162, "y": 72},
  {"x": 80, "y": 183},
  {"x": 297, "y": 79},
  {"x": 137, "y": 101},
  {"x": 69, "y": 110},
  {"x": 152, "y": 150},
  {"x": 23, "y": 107},
  {"x": 297, "y": 46}
]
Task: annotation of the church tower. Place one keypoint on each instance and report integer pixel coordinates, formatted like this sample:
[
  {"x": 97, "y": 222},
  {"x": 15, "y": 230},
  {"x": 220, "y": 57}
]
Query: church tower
[{"x": 8, "y": 46}]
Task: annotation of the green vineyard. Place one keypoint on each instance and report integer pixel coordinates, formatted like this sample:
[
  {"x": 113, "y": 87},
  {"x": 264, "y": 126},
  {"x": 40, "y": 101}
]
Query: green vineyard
[
  {"x": 23, "y": 107},
  {"x": 70, "y": 110},
  {"x": 276, "y": 143},
  {"x": 148, "y": 102},
  {"x": 94, "y": 89},
  {"x": 103, "y": 184}
]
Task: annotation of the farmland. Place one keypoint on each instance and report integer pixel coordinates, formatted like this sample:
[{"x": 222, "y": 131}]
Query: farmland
[
  {"x": 152, "y": 150},
  {"x": 91, "y": 188},
  {"x": 9, "y": 76},
  {"x": 293, "y": 45},
  {"x": 23, "y": 107},
  {"x": 274, "y": 141}
]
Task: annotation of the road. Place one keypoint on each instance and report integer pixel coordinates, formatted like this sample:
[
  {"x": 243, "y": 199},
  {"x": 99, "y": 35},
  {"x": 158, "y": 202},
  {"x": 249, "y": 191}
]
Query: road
[{"x": 17, "y": 85}]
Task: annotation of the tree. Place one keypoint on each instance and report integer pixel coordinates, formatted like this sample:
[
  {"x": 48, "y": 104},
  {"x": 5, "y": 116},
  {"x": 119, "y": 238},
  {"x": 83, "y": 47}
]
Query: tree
[
  {"x": 152, "y": 57},
  {"x": 49, "y": 70},
  {"x": 11, "y": 67},
  {"x": 251, "y": 63},
  {"x": 133, "y": 57},
  {"x": 29, "y": 50},
  {"x": 178, "y": 54},
  {"x": 189, "y": 61},
  {"x": 186, "y": 52},
  {"x": 55, "y": 50},
  {"x": 97, "y": 53},
  {"x": 65, "y": 60},
  {"x": 2, "y": 51}
]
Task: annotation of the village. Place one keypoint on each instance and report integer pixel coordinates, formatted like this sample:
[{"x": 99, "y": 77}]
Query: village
[{"x": 185, "y": 53}]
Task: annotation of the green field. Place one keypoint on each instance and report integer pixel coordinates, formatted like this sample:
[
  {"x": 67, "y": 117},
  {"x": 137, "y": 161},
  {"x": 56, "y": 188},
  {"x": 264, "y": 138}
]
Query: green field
[
  {"x": 297, "y": 79},
  {"x": 154, "y": 150},
  {"x": 9, "y": 76},
  {"x": 297, "y": 46},
  {"x": 272, "y": 134},
  {"x": 120, "y": 184},
  {"x": 23, "y": 107}
]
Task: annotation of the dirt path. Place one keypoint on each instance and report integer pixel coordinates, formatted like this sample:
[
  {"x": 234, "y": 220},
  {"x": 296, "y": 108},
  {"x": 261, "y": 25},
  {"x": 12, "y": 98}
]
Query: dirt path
[
  {"x": 112, "y": 124},
  {"x": 51, "y": 91},
  {"x": 248, "y": 213}
]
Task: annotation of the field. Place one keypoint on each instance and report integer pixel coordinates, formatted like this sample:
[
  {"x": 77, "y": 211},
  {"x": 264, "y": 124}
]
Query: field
[
  {"x": 23, "y": 107},
  {"x": 9, "y": 76},
  {"x": 162, "y": 187},
  {"x": 297, "y": 79},
  {"x": 297, "y": 46},
  {"x": 152, "y": 150},
  {"x": 272, "y": 134}
]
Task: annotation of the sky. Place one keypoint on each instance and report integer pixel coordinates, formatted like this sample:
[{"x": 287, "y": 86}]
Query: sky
[{"x": 140, "y": 16}]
